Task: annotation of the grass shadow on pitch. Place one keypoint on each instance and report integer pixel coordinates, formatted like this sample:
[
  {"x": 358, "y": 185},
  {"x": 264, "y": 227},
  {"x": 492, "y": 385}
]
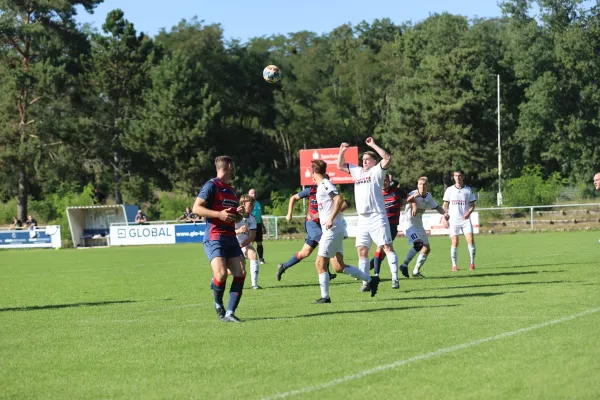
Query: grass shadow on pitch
[
  {"x": 499, "y": 274},
  {"x": 450, "y": 296},
  {"x": 334, "y": 282},
  {"x": 545, "y": 265},
  {"x": 489, "y": 285},
  {"x": 341, "y": 312},
  {"x": 59, "y": 306}
]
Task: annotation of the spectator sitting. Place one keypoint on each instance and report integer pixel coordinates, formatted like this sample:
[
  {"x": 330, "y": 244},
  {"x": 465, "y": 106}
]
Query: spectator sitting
[
  {"x": 99, "y": 197},
  {"x": 141, "y": 218},
  {"x": 31, "y": 223},
  {"x": 16, "y": 224},
  {"x": 189, "y": 217}
]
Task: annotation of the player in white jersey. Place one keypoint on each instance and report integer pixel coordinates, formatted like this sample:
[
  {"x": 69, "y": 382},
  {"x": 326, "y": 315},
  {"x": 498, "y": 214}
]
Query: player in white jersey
[
  {"x": 373, "y": 224},
  {"x": 459, "y": 202},
  {"x": 331, "y": 246},
  {"x": 420, "y": 200},
  {"x": 245, "y": 231}
]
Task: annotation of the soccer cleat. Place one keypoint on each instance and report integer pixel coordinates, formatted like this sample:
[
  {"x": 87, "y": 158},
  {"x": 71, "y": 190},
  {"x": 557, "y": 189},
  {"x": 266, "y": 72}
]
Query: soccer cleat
[
  {"x": 455, "y": 268},
  {"x": 332, "y": 276},
  {"x": 256, "y": 287},
  {"x": 472, "y": 267},
  {"x": 231, "y": 318},
  {"x": 395, "y": 285},
  {"x": 364, "y": 288},
  {"x": 262, "y": 261},
  {"x": 418, "y": 275},
  {"x": 404, "y": 270},
  {"x": 220, "y": 312},
  {"x": 280, "y": 271},
  {"x": 374, "y": 285},
  {"x": 322, "y": 300}
]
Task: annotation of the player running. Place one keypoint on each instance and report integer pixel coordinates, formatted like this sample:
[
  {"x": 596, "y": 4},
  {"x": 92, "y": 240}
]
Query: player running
[
  {"x": 218, "y": 204},
  {"x": 245, "y": 231},
  {"x": 412, "y": 220},
  {"x": 373, "y": 225},
  {"x": 331, "y": 247},
  {"x": 459, "y": 202}
]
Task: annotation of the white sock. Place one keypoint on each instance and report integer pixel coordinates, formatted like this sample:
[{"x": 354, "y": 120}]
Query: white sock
[
  {"x": 324, "y": 282},
  {"x": 472, "y": 252},
  {"x": 392, "y": 259},
  {"x": 363, "y": 265},
  {"x": 420, "y": 261},
  {"x": 453, "y": 255},
  {"x": 356, "y": 273},
  {"x": 254, "y": 272},
  {"x": 410, "y": 255}
]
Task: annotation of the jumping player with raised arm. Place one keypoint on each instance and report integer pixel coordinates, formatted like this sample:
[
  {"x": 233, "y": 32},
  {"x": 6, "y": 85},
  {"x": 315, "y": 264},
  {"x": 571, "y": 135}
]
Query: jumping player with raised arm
[
  {"x": 459, "y": 203},
  {"x": 373, "y": 225},
  {"x": 245, "y": 231},
  {"x": 312, "y": 227},
  {"x": 412, "y": 220},
  {"x": 331, "y": 247},
  {"x": 218, "y": 204}
]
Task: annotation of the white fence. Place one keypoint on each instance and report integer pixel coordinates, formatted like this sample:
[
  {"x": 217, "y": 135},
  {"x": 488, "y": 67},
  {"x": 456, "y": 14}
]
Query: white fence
[{"x": 524, "y": 218}]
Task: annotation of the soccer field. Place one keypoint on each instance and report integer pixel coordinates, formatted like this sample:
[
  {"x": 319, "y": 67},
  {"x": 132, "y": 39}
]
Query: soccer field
[{"x": 138, "y": 322}]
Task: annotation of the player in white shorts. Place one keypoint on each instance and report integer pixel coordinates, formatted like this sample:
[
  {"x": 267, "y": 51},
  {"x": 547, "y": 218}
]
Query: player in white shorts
[
  {"x": 459, "y": 202},
  {"x": 331, "y": 246},
  {"x": 373, "y": 224},
  {"x": 245, "y": 231},
  {"x": 412, "y": 222}
]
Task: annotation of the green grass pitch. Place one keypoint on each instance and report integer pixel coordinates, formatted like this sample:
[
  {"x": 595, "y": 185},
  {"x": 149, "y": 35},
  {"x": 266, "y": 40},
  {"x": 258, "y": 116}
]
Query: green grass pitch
[{"x": 138, "y": 322}]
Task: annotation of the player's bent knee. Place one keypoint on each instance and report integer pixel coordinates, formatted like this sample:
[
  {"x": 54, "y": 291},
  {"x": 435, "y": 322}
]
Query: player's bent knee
[{"x": 418, "y": 246}]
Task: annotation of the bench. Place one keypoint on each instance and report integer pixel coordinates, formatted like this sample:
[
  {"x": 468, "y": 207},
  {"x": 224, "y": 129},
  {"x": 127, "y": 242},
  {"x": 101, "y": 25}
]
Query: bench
[{"x": 95, "y": 237}]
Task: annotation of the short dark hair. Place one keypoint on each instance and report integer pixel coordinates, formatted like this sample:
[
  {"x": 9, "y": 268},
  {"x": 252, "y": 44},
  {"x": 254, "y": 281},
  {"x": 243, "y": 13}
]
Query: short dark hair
[
  {"x": 319, "y": 167},
  {"x": 460, "y": 171},
  {"x": 223, "y": 161},
  {"x": 370, "y": 153}
]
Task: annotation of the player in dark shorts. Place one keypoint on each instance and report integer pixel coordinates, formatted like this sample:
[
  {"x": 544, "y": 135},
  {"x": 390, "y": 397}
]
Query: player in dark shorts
[{"x": 218, "y": 204}]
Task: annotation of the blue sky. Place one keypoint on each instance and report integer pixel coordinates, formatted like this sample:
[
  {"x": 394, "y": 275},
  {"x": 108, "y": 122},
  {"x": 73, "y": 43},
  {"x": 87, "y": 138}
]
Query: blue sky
[{"x": 244, "y": 19}]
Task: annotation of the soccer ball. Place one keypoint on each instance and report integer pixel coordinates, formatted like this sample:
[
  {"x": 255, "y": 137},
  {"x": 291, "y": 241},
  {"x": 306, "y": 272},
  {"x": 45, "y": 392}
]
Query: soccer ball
[{"x": 271, "y": 73}]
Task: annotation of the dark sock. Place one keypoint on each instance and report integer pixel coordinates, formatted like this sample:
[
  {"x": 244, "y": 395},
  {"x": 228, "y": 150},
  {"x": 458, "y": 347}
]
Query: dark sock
[
  {"x": 218, "y": 290},
  {"x": 260, "y": 251},
  {"x": 292, "y": 261},
  {"x": 377, "y": 260},
  {"x": 235, "y": 293}
]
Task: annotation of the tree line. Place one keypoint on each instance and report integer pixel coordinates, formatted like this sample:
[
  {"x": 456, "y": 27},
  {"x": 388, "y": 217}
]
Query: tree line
[{"x": 134, "y": 114}]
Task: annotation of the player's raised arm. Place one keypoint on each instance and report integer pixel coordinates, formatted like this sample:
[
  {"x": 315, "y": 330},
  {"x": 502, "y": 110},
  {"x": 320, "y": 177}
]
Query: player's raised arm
[
  {"x": 341, "y": 161},
  {"x": 385, "y": 156}
]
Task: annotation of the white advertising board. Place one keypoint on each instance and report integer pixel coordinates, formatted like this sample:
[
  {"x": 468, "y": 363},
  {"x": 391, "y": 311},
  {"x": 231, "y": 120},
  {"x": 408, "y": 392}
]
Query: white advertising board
[
  {"x": 432, "y": 222},
  {"x": 133, "y": 235}
]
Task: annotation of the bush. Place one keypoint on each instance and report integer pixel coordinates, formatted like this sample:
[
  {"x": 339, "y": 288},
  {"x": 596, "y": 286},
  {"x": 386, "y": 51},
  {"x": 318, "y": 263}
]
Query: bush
[
  {"x": 170, "y": 206},
  {"x": 531, "y": 189}
]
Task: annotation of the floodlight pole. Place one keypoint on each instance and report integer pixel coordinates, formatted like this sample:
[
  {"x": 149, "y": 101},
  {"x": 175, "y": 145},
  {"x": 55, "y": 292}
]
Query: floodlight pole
[{"x": 499, "y": 196}]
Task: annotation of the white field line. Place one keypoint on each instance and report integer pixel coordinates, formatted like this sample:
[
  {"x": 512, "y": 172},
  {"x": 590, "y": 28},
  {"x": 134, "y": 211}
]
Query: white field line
[{"x": 422, "y": 357}]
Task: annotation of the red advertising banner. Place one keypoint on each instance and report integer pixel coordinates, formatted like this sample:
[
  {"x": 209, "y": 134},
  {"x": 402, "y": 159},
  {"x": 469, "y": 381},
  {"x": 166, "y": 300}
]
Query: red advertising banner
[{"x": 330, "y": 157}]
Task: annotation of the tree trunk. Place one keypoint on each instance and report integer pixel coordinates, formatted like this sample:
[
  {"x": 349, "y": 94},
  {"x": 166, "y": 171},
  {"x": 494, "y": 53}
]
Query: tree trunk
[
  {"x": 117, "y": 176},
  {"x": 23, "y": 191}
]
